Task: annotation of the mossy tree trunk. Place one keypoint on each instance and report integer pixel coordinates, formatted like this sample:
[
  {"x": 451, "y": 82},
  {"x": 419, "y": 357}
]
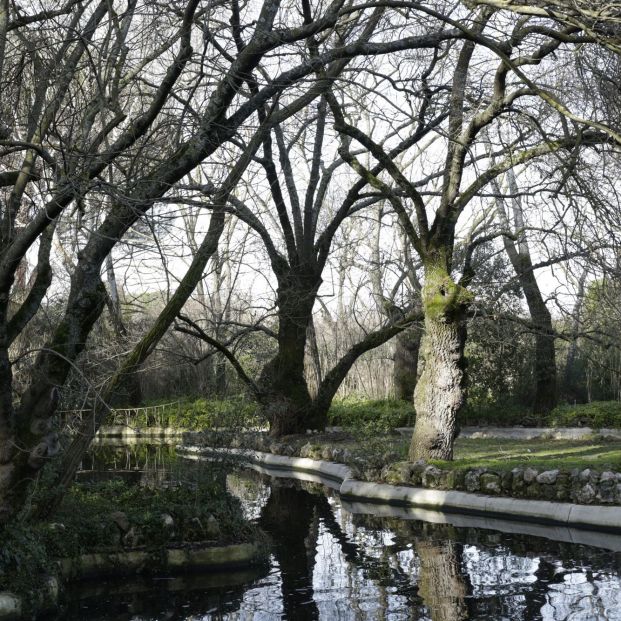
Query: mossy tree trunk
[
  {"x": 441, "y": 389},
  {"x": 285, "y": 398}
]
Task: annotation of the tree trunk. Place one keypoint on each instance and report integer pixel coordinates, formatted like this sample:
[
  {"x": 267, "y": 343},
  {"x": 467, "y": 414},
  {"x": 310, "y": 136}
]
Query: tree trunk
[
  {"x": 405, "y": 370},
  {"x": 440, "y": 392},
  {"x": 545, "y": 354},
  {"x": 129, "y": 393},
  {"x": 545, "y": 395},
  {"x": 570, "y": 384},
  {"x": 286, "y": 400}
]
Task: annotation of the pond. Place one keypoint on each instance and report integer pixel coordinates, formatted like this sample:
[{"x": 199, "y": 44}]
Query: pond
[{"x": 334, "y": 560}]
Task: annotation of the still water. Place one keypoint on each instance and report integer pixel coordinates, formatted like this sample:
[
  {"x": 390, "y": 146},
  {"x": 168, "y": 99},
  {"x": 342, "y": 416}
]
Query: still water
[{"x": 333, "y": 560}]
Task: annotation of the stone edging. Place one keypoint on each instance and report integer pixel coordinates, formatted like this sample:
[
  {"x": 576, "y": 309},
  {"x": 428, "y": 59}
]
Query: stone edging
[
  {"x": 594, "y": 517},
  {"x": 134, "y": 561},
  {"x": 141, "y": 561}
]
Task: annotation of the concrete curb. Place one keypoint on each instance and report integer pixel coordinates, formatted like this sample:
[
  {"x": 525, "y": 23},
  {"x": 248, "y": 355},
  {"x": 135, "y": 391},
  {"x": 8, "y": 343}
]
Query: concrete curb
[{"x": 593, "y": 517}]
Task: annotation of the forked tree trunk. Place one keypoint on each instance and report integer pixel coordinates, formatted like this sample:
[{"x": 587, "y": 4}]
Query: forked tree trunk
[
  {"x": 440, "y": 392},
  {"x": 286, "y": 401}
]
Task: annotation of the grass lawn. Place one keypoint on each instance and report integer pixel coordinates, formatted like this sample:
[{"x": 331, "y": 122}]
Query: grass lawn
[
  {"x": 502, "y": 454},
  {"x": 495, "y": 454}
]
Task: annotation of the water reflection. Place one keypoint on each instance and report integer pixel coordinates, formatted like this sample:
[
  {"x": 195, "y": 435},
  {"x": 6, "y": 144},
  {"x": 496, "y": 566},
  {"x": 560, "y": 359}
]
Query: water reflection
[
  {"x": 332, "y": 563},
  {"x": 367, "y": 567}
]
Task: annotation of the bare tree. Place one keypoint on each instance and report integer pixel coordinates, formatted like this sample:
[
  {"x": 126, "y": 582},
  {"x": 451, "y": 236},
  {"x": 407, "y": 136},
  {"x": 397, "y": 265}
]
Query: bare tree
[
  {"x": 446, "y": 300},
  {"x": 88, "y": 115},
  {"x": 519, "y": 254}
]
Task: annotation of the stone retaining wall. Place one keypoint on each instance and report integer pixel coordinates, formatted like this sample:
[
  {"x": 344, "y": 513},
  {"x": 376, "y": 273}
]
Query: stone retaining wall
[
  {"x": 585, "y": 487},
  {"x": 582, "y": 487},
  {"x": 597, "y": 517}
]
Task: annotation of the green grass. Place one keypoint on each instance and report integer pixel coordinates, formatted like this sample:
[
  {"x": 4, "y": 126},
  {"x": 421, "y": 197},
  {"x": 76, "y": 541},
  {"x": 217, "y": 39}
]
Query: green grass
[
  {"x": 376, "y": 450},
  {"x": 501, "y": 454}
]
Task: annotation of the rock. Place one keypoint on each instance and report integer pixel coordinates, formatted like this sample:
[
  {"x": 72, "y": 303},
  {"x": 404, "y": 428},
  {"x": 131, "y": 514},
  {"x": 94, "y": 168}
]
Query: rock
[
  {"x": 472, "y": 480},
  {"x": 167, "y": 520},
  {"x": 326, "y": 453},
  {"x": 530, "y": 474},
  {"x": 585, "y": 494},
  {"x": 548, "y": 477},
  {"x": 57, "y": 527},
  {"x": 489, "y": 483},
  {"x": 588, "y": 476},
  {"x": 288, "y": 450},
  {"x": 608, "y": 476},
  {"x": 455, "y": 479},
  {"x": 506, "y": 481},
  {"x": 431, "y": 477},
  {"x": 212, "y": 527},
  {"x": 121, "y": 520},
  {"x": 416, "y": 472},
  {"x": 606, "y": 492},
  {"x": 131, "y": 538},
  {"x": 10, "y": 606},
  {"x": 338, "y": 455}
]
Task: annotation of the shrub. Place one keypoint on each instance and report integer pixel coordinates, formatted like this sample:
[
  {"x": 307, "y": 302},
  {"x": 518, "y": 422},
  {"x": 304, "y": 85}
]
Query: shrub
[
  {"x": 499, "y": 415},
  {"x": 596, "y": 414},
  {"x": 382, "y": 415},
  {"x": 199, "y": 414}
]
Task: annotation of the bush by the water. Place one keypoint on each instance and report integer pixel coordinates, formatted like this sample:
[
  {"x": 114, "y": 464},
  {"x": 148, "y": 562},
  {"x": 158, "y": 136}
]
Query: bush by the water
[
  {"x": 381, "y": 414},
  {"x": 197, "y": 414},
  {"x": 596, "y": 414},
  {"x": 378, "y": 414},
  {"x": 100, "y": 517},
  {"x": 388, "y": 414}
]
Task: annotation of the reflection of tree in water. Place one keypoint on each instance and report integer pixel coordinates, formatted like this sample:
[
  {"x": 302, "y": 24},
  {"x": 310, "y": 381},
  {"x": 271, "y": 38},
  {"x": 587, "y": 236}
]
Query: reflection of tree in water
[
  {"x": 438, "y": 571},
  {"x": 289, "y": 517},
  {"x": 150, "y": 463},
  {"x": 512, "y": 576},
  {"x": 295, "y": 519},
  {"x": 443, "y": 584}
]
